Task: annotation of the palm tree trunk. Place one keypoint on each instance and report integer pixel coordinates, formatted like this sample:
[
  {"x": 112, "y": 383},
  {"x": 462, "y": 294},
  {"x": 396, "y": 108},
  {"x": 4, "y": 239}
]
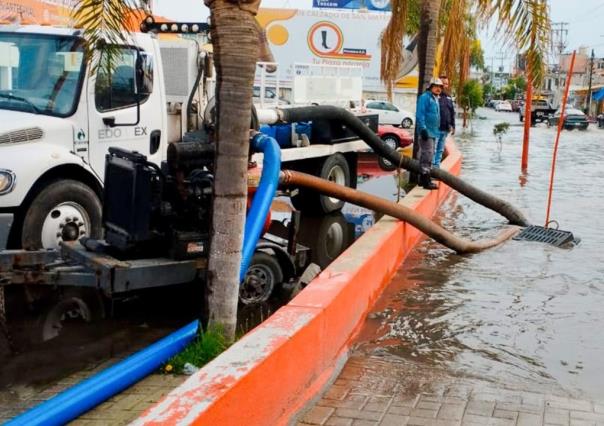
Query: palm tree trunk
[
  {"x": 428, "y": 42},
  {"x": 426, "y": 54},
  {"x": 235, "y": 41}
]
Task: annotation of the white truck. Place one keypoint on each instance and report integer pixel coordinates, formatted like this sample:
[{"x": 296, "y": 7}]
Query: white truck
[{"x": 59, "y": 115}]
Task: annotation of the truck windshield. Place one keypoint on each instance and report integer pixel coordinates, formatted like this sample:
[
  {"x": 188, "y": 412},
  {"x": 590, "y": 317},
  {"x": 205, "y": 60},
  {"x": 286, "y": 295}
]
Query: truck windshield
[{"x": 40, "y": 73}]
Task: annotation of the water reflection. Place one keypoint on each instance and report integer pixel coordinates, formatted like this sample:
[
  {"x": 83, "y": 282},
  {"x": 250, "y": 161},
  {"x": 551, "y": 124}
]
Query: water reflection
[{"x": 524, "y": 312}]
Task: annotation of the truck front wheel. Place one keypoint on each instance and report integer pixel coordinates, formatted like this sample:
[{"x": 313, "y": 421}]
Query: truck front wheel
[{"x": 65, "y": 210}]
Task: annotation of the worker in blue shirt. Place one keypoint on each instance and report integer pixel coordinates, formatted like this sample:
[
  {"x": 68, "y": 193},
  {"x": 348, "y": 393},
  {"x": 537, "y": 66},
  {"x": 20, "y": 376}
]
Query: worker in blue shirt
[
  {"x": 447, "y": 121},
  {"x": 428, "y": 125}
]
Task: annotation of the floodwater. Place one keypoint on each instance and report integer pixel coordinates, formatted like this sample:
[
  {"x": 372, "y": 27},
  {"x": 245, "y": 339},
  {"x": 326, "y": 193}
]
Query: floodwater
[{"x": 523, "y": 313}]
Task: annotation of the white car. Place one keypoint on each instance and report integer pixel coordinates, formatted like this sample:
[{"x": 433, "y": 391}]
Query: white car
[
  {"x": 503, "y": 106},
  {"x": 390, "y": 113}
]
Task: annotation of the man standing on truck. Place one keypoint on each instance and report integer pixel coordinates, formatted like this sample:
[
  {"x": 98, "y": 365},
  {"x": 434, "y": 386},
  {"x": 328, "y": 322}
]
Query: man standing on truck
[
  {"x": 447, "y": 121},
  {"x": 428, "y": 123}
]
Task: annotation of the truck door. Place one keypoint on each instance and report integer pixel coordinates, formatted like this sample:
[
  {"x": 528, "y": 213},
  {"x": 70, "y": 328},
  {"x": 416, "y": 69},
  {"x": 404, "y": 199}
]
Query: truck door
[{"x": 113, "y": 117}]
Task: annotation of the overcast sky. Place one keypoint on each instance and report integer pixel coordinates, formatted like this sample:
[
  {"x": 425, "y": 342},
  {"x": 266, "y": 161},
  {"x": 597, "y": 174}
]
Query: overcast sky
[{"x": 584, "y": 17}]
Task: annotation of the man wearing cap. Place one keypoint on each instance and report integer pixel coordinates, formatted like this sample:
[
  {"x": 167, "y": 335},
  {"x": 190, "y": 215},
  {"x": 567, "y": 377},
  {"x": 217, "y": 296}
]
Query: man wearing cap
[
  {"x": 428, "y": 125},
  {"x": 447, "y": 121}
]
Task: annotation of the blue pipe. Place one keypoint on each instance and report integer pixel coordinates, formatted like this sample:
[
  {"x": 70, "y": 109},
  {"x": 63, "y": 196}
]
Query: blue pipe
[
  {"x": 263, "y": 198},
  {"x": 89, "y": 393}
]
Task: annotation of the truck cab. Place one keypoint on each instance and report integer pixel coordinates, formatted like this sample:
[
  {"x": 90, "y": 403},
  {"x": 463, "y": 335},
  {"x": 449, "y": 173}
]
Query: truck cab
[{"x": 59, "y": 114}]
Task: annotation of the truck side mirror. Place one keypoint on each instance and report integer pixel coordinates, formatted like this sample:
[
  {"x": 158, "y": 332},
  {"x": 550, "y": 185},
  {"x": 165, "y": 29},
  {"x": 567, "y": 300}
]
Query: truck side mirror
[{"x": 144, "y": 74}]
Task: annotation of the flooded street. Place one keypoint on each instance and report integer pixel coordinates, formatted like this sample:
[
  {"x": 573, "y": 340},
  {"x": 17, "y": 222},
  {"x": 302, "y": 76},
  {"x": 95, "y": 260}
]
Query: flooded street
[{"x": 525, "y": 313}]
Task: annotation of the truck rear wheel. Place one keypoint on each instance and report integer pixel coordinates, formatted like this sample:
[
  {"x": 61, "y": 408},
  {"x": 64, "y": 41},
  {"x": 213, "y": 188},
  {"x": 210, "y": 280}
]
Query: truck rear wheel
[
  {"x": 263, "y": 275},
  {"x": 334, "y": 169},
  {"x": 73, "y": 307},
  {"x": 65, "y": 210}
]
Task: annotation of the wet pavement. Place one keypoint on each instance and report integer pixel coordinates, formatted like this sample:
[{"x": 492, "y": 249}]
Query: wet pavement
[{"x": 519, "y": 324}]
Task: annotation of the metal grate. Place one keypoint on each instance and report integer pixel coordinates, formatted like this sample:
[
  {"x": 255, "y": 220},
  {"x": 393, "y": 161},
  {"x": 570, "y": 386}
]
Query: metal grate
[
  {"x": 22, "y": 135},
  {"x": 545, "y": 235}
]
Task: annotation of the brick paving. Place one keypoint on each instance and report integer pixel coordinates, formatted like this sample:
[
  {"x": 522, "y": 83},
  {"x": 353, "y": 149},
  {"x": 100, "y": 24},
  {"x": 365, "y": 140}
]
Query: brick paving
[
  {"x": 119, "y": 410},
  {"x": 382, "y": 391}
]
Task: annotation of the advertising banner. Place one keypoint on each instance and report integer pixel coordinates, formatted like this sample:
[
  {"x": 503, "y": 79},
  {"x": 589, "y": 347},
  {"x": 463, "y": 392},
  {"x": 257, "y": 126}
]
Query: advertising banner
[
  {"x": 377, "y": 5},
  {"x": 329, "y": 37},
  {"x": 48, "y": 12}
]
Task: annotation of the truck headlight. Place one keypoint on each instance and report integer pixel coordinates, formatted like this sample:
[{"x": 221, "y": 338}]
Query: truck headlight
[{"x": 7, "y": 181}]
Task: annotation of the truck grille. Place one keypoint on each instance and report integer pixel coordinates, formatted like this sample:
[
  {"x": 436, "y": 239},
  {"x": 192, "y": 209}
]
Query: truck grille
[{"x": 22, "y": 135}]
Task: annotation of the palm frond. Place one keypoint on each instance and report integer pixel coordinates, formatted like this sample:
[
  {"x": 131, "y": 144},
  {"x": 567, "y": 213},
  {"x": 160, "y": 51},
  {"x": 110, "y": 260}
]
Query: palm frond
[
  {"x": 525, "y": 24},
  {"x": 103, "y": 22},
  {"x": 454, "y": 38},
  {"x": 392, "y": 44}
]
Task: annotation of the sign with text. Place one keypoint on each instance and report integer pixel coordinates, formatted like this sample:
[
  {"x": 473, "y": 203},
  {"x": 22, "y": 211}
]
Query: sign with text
[
  {"x": 378, "y": 5},
  {"x": 329, "y": 38}
]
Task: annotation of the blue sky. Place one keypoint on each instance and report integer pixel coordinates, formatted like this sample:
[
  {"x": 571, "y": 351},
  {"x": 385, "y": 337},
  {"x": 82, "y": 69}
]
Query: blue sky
[{"x": 585, "y": 20}]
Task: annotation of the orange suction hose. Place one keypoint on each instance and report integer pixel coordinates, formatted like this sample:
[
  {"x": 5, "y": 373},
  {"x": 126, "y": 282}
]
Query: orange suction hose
[{"x": 425, "y": 225}]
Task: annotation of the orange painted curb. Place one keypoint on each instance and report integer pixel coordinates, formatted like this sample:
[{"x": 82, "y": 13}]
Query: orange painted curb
[{"x": 274, "y": 370}]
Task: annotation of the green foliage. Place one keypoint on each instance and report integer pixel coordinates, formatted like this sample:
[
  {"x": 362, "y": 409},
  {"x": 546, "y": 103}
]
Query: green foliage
[
  {"x": 471, "y": 95},
  {"x": 207, "y": 346},
  {"x": 103, "y": 22},
  {"x": 514, "y": 87},
  {"x": 476, "y": 55},
  {"x": 488, "y": 90},
  {"x": 501, "y": 128},
  {"x": 413, "y": 13}
]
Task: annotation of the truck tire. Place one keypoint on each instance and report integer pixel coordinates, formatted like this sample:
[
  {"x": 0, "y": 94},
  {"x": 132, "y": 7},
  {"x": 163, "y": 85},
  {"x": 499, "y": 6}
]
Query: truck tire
[
  {"x": 393, "y": 142},
  {"x": 331, "y": 234},
  {"x": 65, "y": 210},
  {"x": 263, "y": 275},
  {"x": 334, "y": 168},
  {"x": 72, "y": 307}
]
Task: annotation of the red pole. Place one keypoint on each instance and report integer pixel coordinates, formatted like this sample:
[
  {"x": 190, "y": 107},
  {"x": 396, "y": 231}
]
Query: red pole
[
  {"x": 560, "y": 125},
  {"x": 527, "y": 122}
]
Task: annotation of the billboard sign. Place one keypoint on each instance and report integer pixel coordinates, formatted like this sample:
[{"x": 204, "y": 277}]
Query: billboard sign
[
  {"x": 53, "y": 12},
  {"x": 377, "y": 5},
  {"x": 328, "y": 37}
]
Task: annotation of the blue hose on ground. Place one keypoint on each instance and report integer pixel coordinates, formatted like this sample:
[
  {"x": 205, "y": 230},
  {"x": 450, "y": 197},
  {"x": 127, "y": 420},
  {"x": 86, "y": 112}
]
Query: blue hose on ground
[
  {"x": 89, "y": 393},
  {"x": 263, "y": 198}
]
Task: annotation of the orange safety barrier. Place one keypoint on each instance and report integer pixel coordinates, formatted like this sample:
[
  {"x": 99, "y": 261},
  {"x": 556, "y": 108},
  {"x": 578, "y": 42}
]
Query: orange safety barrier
[{"x": 270, "y": 374}]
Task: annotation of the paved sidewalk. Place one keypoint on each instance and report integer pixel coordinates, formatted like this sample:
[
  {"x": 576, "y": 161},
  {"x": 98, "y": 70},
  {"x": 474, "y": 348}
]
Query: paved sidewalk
[
  {"x": 119, "y": 410},
  {"x": 390, "y": 392}
]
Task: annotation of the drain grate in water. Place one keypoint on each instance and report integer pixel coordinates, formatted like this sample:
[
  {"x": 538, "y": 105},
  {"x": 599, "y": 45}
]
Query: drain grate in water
[{"x": 545, "y": 235}]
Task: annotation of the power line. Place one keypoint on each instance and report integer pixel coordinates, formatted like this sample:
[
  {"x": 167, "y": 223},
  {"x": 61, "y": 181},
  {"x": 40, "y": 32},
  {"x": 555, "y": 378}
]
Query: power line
[{"x": 588, "y": 15}]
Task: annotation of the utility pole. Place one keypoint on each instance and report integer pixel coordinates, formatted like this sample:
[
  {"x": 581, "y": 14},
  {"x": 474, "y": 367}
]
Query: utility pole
[
  {"x": 492, "y": 81},
  {"x": 559, "y": 40},
  {"x": 588, "y": 97}
]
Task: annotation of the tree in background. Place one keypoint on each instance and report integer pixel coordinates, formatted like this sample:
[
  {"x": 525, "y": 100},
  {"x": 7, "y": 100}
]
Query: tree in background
[
  {"x": 470, "y": 98},
  {"x": 488, "y": 91},
  {"x": 477, "y": 55},
  {"x": 524, "y": 23},
  {"x": 514, "y": 87}
]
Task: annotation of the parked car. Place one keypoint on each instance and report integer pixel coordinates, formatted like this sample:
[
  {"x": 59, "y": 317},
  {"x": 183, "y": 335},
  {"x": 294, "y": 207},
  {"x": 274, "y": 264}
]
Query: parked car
[
  {"x": 395, "y": 138},
  {"x": 573, "y": 119},
  {"x": 270, "y": 96},
  {"x": 503, "y": 106},
  {"x": 390, "y": 113}
]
